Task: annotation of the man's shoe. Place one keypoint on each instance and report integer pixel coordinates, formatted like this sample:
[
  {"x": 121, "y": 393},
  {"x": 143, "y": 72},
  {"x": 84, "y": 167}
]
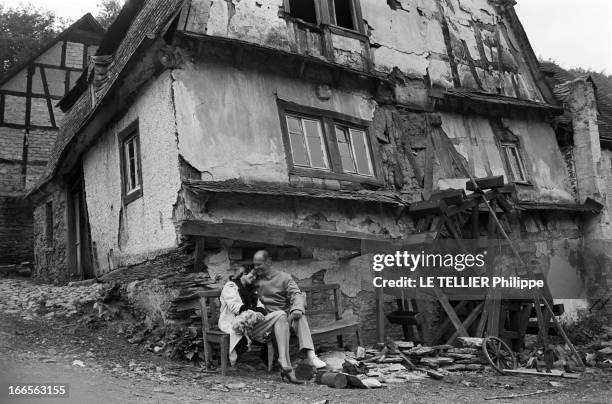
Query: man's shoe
[{"x": 317, "y": 363}]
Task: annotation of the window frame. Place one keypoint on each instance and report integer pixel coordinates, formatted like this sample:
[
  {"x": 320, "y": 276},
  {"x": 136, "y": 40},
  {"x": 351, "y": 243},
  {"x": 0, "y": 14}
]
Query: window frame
[
  {"x": 326, "y": 15},
  {"x": 329, "y": 120},
  {"x": 324, "y": 145},
  {"x": 355, "y": 9},
  {"x": 127, "y": 134},
  {"x": 505, "y": 147}
]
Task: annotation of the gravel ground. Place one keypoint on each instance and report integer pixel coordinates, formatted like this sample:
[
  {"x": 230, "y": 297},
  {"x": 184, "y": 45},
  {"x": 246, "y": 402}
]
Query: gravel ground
[{"x": 102, "y": 367}]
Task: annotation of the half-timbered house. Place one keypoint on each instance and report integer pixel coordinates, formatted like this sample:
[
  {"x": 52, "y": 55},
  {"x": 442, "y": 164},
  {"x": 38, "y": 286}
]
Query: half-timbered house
[{"x": 29, "y": 120}]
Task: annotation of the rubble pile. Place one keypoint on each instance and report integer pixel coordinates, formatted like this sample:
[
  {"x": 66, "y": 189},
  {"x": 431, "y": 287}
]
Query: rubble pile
[
  {"x": 401, "y": 362},
  {"x": 22, "y": 297},
  {"x": 599, "y": 352}
]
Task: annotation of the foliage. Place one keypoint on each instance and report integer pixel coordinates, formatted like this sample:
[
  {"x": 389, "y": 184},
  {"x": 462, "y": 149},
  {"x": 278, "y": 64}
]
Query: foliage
[
  {"x": 24, "y": 31},
  {"x": 108, "y": 10},
  {"x": 585, "y": 328}
]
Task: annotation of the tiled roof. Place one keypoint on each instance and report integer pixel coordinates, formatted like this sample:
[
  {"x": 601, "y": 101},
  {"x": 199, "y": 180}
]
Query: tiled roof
[
  {"x": 603, "y": 95},
  {"x": 271, "y": 189},
  {"x": 147, "y": 22}
]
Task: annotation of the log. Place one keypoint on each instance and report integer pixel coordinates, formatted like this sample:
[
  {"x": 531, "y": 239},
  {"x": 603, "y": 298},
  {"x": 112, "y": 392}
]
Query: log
[
  {"x": 335, "y": 380},
  {"x": 435, "y": 375}
]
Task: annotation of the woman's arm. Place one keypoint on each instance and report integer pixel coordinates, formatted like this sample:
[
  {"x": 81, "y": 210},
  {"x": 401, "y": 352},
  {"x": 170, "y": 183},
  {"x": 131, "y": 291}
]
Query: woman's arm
[{"x": 231, "y": 298}]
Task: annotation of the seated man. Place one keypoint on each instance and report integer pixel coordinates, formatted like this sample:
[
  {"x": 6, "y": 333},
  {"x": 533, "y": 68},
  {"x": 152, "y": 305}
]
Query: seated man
[{"x": 279, "y": 292}]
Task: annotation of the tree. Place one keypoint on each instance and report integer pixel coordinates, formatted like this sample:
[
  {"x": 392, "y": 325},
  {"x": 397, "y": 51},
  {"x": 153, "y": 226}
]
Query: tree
[
  {"x": 108, "y": 10},
  {"x": 23, "y": 31}
]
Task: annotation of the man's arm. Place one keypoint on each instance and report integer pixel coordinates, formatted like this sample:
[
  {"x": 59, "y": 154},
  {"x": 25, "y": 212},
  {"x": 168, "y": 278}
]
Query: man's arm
[{"x": 296, "y": 297}]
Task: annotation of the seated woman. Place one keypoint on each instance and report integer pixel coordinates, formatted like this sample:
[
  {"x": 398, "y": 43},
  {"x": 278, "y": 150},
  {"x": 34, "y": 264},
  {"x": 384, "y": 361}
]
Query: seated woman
[{"x": 243, "y": 316}]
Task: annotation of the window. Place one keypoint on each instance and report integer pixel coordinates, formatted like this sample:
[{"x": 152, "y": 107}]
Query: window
[
  {"x": 304, "y": 10},
  {"x": 343, "y": 13},
  {"x": 515, "y": 162},
  {"x": 131, "y": 173},
  {"x": 354, "y": 151},
  {"x": 340, "y": 13},
  {"x": 49, "y": 224},
  {"x": 307, "y": 144},
  {"x": 324, "y": 144}
]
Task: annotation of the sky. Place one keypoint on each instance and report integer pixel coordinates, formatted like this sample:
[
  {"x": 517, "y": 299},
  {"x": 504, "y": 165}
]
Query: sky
[{"x": 574, "y": 33}]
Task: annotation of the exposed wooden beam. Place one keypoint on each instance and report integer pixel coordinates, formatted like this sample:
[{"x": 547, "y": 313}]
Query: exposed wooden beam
[
  {"x": 47, "y": 96},
  {"x": 278, "y": 235}
]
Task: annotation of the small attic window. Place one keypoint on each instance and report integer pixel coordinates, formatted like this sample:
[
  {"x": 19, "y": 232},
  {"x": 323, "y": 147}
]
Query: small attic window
[
  {"x": 304, "y": 10},
  {"x": 344, "y": 13}
]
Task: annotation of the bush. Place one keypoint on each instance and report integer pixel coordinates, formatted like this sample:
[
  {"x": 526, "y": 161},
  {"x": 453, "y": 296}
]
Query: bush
[{"x": 586, "y": 328}]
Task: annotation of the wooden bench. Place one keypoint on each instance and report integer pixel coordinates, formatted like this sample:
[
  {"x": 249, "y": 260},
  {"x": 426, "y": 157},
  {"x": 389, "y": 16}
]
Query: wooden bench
[
  {"x": 335, "y": 328},
  {"x": 210, "y": 310}
]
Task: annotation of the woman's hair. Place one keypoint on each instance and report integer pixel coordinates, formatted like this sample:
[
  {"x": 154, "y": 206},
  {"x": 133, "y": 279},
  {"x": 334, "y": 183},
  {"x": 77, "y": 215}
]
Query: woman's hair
[{"x": 240, "y": 271}]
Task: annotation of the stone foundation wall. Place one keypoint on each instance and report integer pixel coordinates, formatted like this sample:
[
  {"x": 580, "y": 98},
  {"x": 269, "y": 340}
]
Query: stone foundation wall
[{"x": 15, "y": 230}]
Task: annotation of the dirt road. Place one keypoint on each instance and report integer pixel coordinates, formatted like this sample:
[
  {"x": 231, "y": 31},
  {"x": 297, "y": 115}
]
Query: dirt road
[{"x": 102, "y": 367}]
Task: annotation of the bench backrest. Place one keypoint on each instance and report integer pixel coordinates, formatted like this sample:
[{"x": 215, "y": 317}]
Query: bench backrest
[
  {"x": 210, "y": 304},
  {"x": 210, "y": 309},
  {"x": 323, "y": 294}
]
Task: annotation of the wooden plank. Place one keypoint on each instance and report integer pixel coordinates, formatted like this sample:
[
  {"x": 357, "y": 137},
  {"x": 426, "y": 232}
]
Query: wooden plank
[
  {"x": 450, "y": 312},
  {"x": 503, "y": 202},
  {"x": 533, "y": 372},
  {"x": 486, "y": 183},
  {"x": 450, "y": 196},
  {"x": 255, "y": 233},
  {"x": 426, "y": 208}
]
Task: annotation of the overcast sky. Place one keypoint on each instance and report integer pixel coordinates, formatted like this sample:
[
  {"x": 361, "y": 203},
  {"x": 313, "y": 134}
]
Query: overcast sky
[{"x": 575, "y": 33}]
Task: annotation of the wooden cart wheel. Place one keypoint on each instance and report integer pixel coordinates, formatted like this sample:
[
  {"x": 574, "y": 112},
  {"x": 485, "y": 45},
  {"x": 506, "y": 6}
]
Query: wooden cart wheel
[{"x": 499, "y": 354}]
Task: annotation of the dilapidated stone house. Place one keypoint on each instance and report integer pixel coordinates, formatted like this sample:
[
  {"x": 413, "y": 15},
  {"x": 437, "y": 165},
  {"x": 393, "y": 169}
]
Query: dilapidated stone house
[
  {"x": 204, "y": 130},
  {"x": 29, "y": 121},
  {"x": 584, "y": 132}
]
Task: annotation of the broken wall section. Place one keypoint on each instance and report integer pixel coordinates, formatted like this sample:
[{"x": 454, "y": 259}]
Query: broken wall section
[
  {"x": 51, "y": 245},
  {"x": 444, "y": 44}
]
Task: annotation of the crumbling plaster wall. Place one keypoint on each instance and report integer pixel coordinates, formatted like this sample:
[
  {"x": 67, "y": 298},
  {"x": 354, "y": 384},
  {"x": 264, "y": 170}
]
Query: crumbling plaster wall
[
  {"x": 228, "y": 119},
  {"x": 124, "y": 234},
  {"x": 475, "y": 140},
  {"x": 446, "y": 43}
]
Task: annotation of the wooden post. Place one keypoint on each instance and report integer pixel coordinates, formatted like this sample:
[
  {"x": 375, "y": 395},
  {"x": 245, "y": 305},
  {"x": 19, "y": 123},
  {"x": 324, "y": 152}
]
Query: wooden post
[
  {"x": 200, "y": 255},
  {"x": 380, "y": 315}
]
